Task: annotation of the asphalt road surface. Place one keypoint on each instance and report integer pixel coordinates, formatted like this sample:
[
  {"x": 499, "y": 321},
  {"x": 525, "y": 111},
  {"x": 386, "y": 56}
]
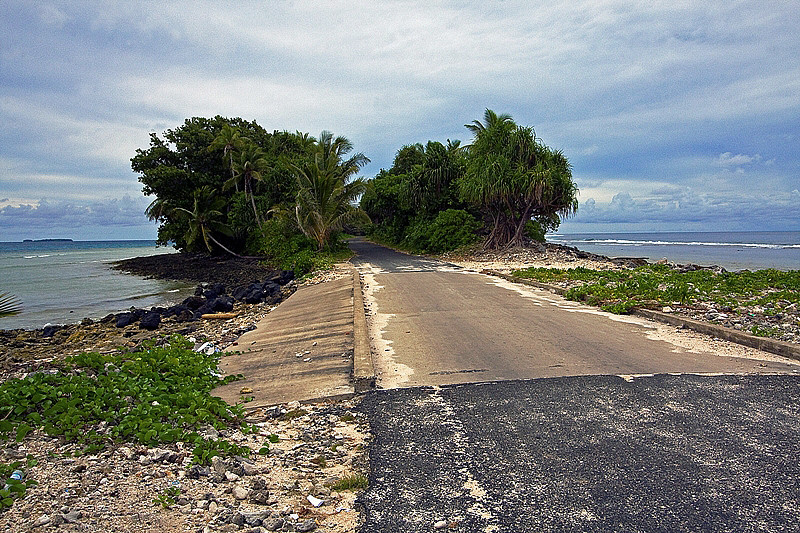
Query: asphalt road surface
[
  {"x": 589, "y": 453},
  {"x": 578, "y": 449},
  {"x": 443, "y": 325}
]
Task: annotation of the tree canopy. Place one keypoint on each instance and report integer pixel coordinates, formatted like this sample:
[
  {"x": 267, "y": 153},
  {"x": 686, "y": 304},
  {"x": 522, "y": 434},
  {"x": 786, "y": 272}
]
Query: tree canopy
[
  {"x": 504, "y": 182},
  {"x": 247, "y": 167},
  {"x": 512, "y": 178}
]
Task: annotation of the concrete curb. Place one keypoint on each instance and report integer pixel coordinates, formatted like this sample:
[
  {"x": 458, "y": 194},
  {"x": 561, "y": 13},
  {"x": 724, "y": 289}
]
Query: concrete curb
[
  {"x": 363, "y": 367},
  {"x": 784, "y": 349}
]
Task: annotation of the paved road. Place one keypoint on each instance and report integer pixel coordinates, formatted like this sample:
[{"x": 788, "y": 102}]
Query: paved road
[
  {"x": 587, "y": 454},
  {"x": 442, "y": 325}
]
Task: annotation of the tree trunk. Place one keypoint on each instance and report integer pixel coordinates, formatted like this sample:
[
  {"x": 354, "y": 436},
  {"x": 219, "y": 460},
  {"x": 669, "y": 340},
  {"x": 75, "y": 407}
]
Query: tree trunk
[
  {"x": 215, "y": 241},
  {"x": 249, "y": 186}
]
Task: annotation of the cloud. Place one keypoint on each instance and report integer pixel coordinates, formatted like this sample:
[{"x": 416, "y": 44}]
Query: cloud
[
  {"x": 688, "y": 210},
  {"x": 727, "y": 159},
  {"x": 99, "y": 219},
  {"x": 645, "y": 98}
]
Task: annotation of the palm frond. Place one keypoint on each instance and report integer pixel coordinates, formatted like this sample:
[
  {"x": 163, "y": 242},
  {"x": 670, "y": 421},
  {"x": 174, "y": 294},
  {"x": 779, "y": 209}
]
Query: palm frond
[{"x": 9, "y": 305}]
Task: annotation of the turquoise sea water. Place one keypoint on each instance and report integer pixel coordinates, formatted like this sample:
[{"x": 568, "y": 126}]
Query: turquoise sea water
[
  {"x": 61, "y": 282},
  {"x": 752, "y": 250}
]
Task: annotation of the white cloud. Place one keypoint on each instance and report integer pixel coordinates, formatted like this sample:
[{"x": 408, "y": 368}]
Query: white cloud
[
  {"x": 727, "y": 159},
  {"x": 643, "y": 96}
]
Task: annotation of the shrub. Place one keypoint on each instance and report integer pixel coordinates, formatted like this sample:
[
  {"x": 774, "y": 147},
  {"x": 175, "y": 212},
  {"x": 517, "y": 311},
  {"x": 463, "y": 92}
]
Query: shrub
[{"x": 451, "y": 229}]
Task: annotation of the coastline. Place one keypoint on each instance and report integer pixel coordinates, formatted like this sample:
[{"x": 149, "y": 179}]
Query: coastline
[
  {"x": 242, "y": 287},
  {"x": 126, "y": 487}
]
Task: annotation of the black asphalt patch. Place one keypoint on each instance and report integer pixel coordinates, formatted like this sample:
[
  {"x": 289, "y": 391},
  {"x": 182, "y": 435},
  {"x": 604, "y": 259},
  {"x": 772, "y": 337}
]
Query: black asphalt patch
[{"x": 596, "y": 453}]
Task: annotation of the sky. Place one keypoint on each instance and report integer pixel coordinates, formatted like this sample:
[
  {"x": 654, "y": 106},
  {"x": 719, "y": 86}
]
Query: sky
[{"x": 676, "y": 115}]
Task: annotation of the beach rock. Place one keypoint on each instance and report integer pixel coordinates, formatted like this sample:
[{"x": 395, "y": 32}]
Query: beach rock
[
  {"x": 194, "y": 302},
  {"x": 240, "y": 493},
  {"x": 124, "y": 319},
  {"x": 50, "y": 330},
  {"x": 213, "y": 291},
  {"x": 222, "y": 304},
  {"x": 273, "y": 524},
  {"x": 306, "y": 525},
  {"x": 150, "y": 321}
]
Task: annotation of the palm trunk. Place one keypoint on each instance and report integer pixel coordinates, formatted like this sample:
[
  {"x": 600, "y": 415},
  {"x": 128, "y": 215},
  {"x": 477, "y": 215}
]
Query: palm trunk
[
  {"x": 215, "y": 241},
  {"x": 249, "y": 186}
]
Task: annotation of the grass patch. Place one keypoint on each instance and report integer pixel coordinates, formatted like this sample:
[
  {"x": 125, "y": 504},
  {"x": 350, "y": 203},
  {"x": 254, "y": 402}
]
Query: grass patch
[
  {"x": 159, "y": 395},
  {"x": 351, "y": 482},
  {"x": 294, "y": 413},
  {"x": 11, "y": 489},
  {"x": 654, "y": 286}
]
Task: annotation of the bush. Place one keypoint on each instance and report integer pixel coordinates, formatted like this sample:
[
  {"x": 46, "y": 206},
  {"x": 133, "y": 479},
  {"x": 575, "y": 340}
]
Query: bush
[
  {"x": 284, "y": 246},
  {"x": 451, "y": 229},
  {"x": 287, "y": 249},
  {"x": 159, "y": 395},
  {"x": 535, "y": 231}
]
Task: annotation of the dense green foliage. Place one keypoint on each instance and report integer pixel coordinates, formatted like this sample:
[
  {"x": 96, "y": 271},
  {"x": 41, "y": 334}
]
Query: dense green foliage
[
  {"x": 158, "y": 395},
  {"x": 290, "y": 250},
  {"x": 658, "y": 285},
  {"x": 507, "y": 186},
  {"x": 227, "y": 185},
  {"x": 239, "y": 160}
]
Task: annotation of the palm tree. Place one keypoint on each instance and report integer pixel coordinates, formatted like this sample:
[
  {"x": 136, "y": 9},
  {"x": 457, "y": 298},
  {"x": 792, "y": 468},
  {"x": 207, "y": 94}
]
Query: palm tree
[
  {"x": 248, "y": 166},
  {"x": 9, "y": 305},
  {"x": 204, "y": 219},
  {"x": 229, "y": 140},
  {"x": 327, "y": 190}
]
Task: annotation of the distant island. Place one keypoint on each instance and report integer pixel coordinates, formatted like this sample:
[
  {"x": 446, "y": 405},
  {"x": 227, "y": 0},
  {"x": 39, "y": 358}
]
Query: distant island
[{"x": 48, "y": 240}]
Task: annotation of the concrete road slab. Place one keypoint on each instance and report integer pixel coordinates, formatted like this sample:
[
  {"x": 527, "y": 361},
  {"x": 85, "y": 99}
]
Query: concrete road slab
[
  {"x": 315, "y": 322},
  {"x": 434, "y": 324},
  {"x": 589, "y": 453}
]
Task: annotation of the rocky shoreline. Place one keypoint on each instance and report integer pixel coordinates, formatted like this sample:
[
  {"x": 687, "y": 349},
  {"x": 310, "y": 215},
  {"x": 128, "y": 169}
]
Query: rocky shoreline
[
  {"x": 242, "y": 290},
  {"x": 307, "y": 462}
]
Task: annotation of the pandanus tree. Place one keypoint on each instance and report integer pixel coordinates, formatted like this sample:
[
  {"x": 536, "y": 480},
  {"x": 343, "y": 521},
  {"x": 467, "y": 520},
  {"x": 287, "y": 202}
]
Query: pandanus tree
[
  {"x": 327, "y": 188},
  {"x": 205, "y": 219},
  {"x": 513, "y": 178}
]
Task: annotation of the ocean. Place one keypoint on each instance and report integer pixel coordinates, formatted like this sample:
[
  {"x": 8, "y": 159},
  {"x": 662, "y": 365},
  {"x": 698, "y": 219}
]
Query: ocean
[
  {"x": 738, "y": 250},
  {"x": 62, "y": 282}
]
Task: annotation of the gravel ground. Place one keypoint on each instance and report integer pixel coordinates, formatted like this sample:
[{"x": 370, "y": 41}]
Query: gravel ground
[{"x": 318, "y": 445}]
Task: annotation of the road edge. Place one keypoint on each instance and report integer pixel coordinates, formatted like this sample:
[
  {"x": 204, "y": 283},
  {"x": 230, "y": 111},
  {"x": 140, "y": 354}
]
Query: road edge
[
  {"x": 784, "y": 349},
  {"x": 363, "y": 366}
]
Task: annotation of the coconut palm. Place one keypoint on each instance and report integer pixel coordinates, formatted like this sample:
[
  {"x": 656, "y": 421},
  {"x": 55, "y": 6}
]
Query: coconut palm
[
  {"x": 429, "y": 182},
  {"x": 204, "y": 219},
  {"x": 229, "y": 140},
  {"x": 327, "y": 190},
  {"x": 248, "y": 167},
  {"x": 9, "y": 305}
]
